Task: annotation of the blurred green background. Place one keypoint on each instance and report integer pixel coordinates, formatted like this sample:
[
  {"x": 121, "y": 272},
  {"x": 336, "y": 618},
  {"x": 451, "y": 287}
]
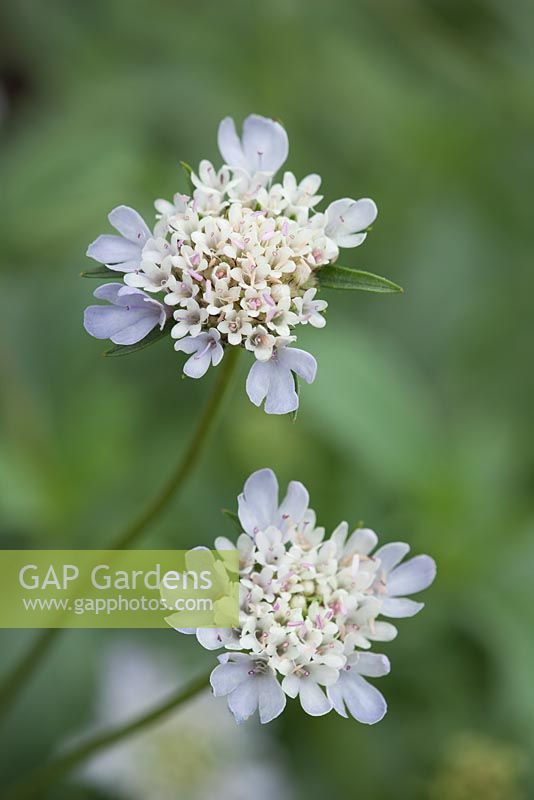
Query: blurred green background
[{"x": 420, "y": 420}]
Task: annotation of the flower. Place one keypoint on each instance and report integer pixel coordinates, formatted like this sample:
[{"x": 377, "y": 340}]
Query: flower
[
  {"x": 263, "y": 148},
  {"x": 347, "y": 219},
  {"x": 259, "y": 508},
  {"x": 351, "y": 691},
  {"x": 249, "y": 684},
  {"x": 206, "y": 352},
  {"x": 273, "y": 380},
  {"x": 309, "y": 609},
  {"x": 189, "y": 320},
  {"x": 130, "y": 317},
  {"x": 261, "y": 343},
  {"x": 241, "y": 255},
  {"x": 122, "y": 253},
  {"x": 309, "y": 310}
]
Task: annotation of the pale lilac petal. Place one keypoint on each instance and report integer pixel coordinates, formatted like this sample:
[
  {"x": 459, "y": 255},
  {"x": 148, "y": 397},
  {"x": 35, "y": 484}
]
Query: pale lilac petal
[
  {"x": 130, "y": 265},
  {"x": 217, "y": 354},
  {"x": 339, "y": 536},
  {"x": 265, "y": 144},
  {"x": 346, "y": 218},
  {"x": 114, "y": 250},
  {"x": 197, "y": 365},
  {"x": 229, "y": 143},
  {"x": 272, "y": 699},
  {"x": 290, "y": 685},
  {"x": 335, "y": 695},
  {"x": 301, "y": 362},
  {"x": 222, "y": 543},
  {"x": 383, "y": 632},
  {"x": 348, "y": 240},
  {"x": 212, "y": 638},
  {"x": 259, "y": 502},
  {"x": 360, "y": 214},
  {"x": 191, "y": 344},
  {"x": 334, "y": 216},
  {"x": 109, "y": 292},
  {"x": 391, "y": 554},
  {"x": 243, "y": 701},
  {"x": 313, "y": 700},
  {"x": 225, "y": 678},
  {"x": 364, "y": 702},
  {"x": 324, "y": 674},
  {"x": 258, "y": 381},
  {"x": 282, "y": 397},
  {"x": 374, "y": 665},
  {"x": 130, "y": 224},
  {"x": 400, "y": 607},
  {"x": 294, "y": 504},
  {"x": 362, "y": 541},
  {"x": 121, "y": 325},
  {"x": 411, "y": 577}
]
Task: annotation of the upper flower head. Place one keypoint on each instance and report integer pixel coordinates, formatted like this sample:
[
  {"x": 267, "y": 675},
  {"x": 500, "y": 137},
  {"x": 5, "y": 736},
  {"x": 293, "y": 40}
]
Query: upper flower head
[
  {"x": 237, "y": 263},
  {"x": 310, "y": 609}
]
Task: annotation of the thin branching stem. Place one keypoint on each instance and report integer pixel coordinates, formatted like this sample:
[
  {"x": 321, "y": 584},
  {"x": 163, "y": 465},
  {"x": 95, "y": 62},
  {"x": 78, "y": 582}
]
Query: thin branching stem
[
  {"x": 37, "y": 782},
  {"x": 21, "y": 673}
]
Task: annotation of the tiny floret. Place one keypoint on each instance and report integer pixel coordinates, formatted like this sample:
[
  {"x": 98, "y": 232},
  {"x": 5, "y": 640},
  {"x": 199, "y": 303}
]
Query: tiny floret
[
  {"x": 311, "y": 609},
  {"x": 235, "y": 263}
]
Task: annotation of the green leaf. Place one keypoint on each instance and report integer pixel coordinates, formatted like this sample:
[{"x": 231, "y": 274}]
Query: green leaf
[
  {"x": 234, "y": 519},
  {"x": 102, "y": 272},
  {"x": 126, "y": 349},
  {"x": 334, "y": 277}
]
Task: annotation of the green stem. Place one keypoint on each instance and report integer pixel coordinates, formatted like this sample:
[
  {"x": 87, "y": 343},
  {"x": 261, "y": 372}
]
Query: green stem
[
  {"x": 39, "y": 781},
  {"x": 21, "y": 673}
]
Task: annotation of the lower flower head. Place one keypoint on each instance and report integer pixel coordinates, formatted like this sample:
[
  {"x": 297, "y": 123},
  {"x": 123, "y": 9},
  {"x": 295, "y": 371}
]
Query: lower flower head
[{"x": 311, "y": 609}]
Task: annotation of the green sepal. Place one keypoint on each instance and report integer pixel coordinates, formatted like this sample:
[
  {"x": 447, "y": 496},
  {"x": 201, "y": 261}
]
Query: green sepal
[
  {"x": 234, "y": 519},
  {"x": 102, "y": 272},
  {"x": 125, "y": 349},
  {"x": 293, "y": 415}
]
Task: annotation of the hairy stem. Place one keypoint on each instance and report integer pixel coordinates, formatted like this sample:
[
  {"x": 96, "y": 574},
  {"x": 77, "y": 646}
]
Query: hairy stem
[
  {"x": 41, "y": 779},
  {"x": 23, "y": 670}
]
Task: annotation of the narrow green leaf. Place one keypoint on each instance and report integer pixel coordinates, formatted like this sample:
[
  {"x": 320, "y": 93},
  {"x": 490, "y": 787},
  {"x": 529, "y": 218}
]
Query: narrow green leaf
[
  {"x": 102, "y": 272},
  {"x": 233, "y": 517},
  {"x": 188, "y": 172},
  {"x": 126, "y": 349},
  {"x": 334, "y": 277}
]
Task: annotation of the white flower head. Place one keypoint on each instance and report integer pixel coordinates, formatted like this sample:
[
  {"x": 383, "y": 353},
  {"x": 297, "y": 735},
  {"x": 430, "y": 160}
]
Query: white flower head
[
  {"x": 310, "y": 609},
  {"x": 237, "y": 263}
]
